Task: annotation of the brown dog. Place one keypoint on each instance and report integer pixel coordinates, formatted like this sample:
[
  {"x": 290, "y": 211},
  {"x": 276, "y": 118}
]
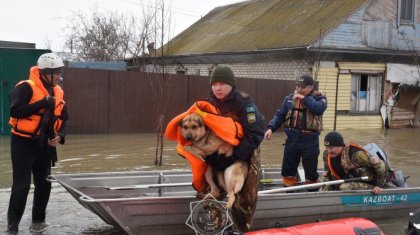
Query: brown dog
[{"x": 204, "y": 143}]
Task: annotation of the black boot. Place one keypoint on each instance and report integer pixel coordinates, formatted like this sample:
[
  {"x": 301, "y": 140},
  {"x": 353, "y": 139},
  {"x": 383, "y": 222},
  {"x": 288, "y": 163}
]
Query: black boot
[
  {"x": 12, "y": 227},
  {"x": 38, "y": 215},
  {"x": 12, "y": 223}
]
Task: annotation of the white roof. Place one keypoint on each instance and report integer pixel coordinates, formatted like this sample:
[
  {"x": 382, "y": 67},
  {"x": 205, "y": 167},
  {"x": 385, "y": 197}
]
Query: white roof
[{"x": 403, "y": 74}]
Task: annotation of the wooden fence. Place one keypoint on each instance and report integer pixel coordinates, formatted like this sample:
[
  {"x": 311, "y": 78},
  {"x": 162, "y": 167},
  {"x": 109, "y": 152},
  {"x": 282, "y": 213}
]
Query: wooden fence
[{"x": 104, "y": 101}]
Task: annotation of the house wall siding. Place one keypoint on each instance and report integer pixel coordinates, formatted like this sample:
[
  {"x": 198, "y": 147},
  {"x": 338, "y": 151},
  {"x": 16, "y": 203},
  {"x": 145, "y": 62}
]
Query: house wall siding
[
  {"x": 327, "y": 78},
  {"x": 347, "y": 34},
  {"x": 354, "y": 66},
  {"x": 374, "y": 26}
]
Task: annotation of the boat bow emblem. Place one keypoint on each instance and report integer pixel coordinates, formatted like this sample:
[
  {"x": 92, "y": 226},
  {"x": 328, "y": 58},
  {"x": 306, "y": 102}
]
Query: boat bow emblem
[{"x": 209, "y": 216}]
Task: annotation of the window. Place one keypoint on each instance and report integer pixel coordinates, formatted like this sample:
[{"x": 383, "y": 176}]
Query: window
[
  {"x": 365, "y": 93},
  {"x": 181, "y": 69},
  {"x": 407, "y": 11}
]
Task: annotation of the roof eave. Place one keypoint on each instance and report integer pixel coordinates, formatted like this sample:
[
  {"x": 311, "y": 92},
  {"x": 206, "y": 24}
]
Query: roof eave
[
  {"x": 260, "y": 55},
  {"x": 362, "y": 55}
]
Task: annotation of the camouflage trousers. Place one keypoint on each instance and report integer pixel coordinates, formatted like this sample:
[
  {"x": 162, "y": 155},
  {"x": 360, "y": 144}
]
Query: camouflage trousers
[
  {"x": 246, "y": 201},
  {"x": 243, "y": 208},
  {"x": 344, "y": 186}
]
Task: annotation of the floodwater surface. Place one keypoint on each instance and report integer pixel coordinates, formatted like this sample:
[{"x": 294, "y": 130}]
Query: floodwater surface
[{"x": 136, "y": 152}]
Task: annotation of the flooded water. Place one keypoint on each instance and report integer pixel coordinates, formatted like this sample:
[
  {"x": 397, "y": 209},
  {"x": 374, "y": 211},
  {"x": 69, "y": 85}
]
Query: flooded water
[{"x": 128, "y": 152}]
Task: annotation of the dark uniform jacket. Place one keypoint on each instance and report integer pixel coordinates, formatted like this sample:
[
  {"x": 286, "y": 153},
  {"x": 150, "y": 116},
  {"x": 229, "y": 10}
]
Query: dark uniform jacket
[{"x": 242, "y": 108}]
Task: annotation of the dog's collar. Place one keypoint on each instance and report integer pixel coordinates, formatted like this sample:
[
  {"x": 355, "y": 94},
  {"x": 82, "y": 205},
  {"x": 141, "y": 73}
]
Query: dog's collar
[{"x": 207, "y": 135}]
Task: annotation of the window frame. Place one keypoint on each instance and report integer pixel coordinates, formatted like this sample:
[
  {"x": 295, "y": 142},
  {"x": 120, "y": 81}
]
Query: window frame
[
  {"x": 378, "y": 96},
  {"x": 402, "y": 21}
]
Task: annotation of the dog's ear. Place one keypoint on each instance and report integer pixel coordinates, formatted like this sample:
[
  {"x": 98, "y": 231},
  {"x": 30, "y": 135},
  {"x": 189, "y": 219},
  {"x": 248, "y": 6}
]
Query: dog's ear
[
  {"x": 180, "y": 122},
  {"x": 200, "y": 122}
]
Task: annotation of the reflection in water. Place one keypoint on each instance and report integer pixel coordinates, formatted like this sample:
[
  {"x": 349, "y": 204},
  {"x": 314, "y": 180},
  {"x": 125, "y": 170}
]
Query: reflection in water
[{"x": 133, "y": 152}]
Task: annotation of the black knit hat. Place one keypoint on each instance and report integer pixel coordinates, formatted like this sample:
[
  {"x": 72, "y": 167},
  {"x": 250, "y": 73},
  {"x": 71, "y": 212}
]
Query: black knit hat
[
  {"x": 224, "y": 74},
  {"x": 305, "y": 80},
  {"x": 334, "y": 139}
]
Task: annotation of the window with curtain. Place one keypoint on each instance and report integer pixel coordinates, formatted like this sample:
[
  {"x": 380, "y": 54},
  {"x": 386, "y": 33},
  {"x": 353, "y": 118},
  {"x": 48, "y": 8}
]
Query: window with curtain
[
  {"x": 365, "y": 93},
  {"x": 407, "y": 10}
]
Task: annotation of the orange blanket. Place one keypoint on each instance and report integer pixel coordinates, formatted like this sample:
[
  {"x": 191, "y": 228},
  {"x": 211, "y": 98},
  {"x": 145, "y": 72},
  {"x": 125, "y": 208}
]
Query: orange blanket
[{"x": 224, "y": 127}]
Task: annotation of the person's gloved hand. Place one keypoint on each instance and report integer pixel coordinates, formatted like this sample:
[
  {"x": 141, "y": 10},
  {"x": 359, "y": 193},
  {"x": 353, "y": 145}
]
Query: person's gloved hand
[
  {"x": 212, "y": 159},
  {"x": 48, "y": 102},
  {"x": 224, "y": 162},
  {"x": 219, "y": 161},
  {"x": 45, "y": 103}
]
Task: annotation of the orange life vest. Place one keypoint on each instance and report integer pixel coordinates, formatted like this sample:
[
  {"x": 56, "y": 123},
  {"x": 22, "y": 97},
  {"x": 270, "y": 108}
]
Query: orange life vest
[
  {"x": 29, "y": 126},
  {"x": 333, "y": 172},
  {"x": 224, "y": 127}
]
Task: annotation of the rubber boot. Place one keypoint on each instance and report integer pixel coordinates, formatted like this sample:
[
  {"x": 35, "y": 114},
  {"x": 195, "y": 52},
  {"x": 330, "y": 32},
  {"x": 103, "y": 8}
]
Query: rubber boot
[
  {"x": 312, "y": 182},
  {"x": 38, "y": 215},
  {"x": 289, "y": 181},
  {"x": 12, "y": 225}
]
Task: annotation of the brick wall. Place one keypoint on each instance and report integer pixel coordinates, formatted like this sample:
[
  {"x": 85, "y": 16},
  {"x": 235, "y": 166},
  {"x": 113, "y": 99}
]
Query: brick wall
[{"x": 287, "y": 70}]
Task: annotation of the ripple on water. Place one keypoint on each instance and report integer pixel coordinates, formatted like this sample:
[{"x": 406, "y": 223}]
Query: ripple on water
[{"x": 72, "y": 159}]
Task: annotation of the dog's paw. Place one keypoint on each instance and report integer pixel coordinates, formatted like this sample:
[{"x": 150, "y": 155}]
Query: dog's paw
[
  {"x": 200, "y": 195},
  {"x": 216, "y": 193}
]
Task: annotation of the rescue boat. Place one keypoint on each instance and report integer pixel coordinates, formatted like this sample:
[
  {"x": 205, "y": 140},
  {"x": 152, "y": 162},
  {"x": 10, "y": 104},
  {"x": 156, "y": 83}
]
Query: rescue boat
[{"x": 346, "y": 226}]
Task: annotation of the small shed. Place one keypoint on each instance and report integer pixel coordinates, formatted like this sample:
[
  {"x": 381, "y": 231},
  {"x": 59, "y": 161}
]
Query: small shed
[{"x": 407, "y": 111}]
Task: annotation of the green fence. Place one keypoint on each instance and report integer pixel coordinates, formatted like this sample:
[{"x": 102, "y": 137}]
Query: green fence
[{"x": 14, "y": 66}]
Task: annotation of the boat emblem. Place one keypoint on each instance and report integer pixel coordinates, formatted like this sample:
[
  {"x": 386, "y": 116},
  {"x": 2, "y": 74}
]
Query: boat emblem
[{"x": 209, "y": 216}]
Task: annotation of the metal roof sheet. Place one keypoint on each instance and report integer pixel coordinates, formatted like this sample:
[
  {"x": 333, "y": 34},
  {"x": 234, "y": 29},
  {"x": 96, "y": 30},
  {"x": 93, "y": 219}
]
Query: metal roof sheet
[{"x": 262, "y": 24}]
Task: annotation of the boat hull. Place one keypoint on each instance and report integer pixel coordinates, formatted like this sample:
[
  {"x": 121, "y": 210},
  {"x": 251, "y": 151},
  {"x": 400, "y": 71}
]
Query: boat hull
[{"x": 165, "y": 210}]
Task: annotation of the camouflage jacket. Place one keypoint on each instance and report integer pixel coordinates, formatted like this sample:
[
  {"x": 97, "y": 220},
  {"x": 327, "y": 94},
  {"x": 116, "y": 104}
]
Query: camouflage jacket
[{"x": 355, "y": 162}]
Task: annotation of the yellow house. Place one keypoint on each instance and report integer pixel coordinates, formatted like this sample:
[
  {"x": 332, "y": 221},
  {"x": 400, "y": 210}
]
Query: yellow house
[{"x": 353, "y": 91}]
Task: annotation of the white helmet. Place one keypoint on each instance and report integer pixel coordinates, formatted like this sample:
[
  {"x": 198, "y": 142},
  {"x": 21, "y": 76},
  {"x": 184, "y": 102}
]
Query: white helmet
[{"x": 50, "y": 61}]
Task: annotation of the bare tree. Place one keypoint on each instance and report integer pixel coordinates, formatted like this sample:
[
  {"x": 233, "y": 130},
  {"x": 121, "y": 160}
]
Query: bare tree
[
  {"x": 106, "y": 37},
  {"x": 160, "y": 26},
  {"x": 113, "y": 37},
  {"x": 156, "y": 35}
]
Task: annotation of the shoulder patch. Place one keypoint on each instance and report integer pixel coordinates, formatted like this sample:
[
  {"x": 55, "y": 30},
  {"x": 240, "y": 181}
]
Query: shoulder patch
[{"x": 244, "y": 94}]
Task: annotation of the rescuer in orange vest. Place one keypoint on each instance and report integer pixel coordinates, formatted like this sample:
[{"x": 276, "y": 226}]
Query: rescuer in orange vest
[
  {"x": 348, "y": 160},
  {"x": 38, "y": 116}
]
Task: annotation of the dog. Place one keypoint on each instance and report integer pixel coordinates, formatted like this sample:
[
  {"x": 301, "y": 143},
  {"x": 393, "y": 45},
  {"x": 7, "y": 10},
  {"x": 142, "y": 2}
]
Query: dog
[{"x": 204, "y": 143}]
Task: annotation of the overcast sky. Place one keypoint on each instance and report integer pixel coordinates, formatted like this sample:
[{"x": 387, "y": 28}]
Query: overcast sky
[{"x": 44, "y": 21}]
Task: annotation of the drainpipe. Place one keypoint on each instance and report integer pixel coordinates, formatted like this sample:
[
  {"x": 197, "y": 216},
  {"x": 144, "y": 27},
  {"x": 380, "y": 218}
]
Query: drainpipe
[{"x": 336, "y": 100}]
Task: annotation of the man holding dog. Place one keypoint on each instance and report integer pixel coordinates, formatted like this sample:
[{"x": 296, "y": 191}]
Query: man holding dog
[
  {"x": 301, "y": 113},
  {"x": 237, "y": 104}
]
